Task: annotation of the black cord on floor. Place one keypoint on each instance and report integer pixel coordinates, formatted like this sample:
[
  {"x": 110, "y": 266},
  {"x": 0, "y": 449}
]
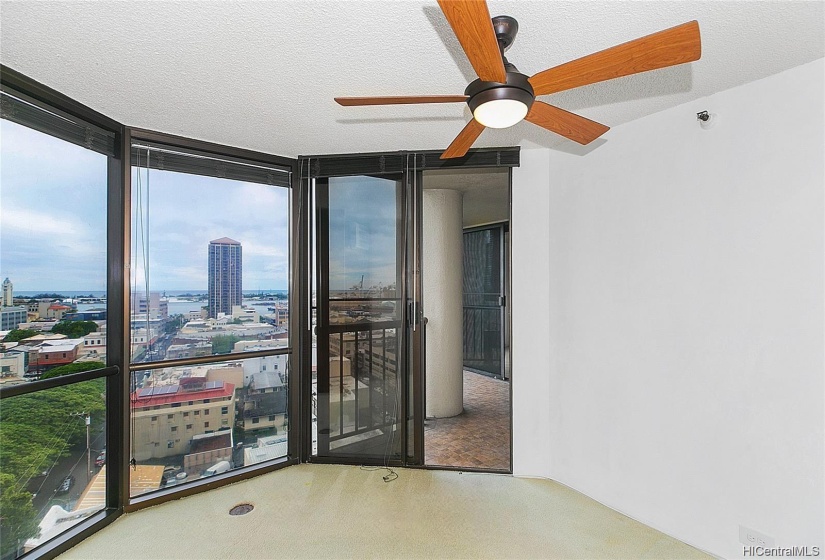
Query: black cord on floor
[{"x": 389, "y": 477}]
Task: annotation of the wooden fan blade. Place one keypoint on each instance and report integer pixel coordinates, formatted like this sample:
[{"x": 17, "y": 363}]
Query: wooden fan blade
[
  {"x": 399, "y": 100},
  {"x": 471, "y": 23},
  {"x": 464, "y": 140},
  {"x": 670, "y": 47},
  {"x": 569, "y": 125}
]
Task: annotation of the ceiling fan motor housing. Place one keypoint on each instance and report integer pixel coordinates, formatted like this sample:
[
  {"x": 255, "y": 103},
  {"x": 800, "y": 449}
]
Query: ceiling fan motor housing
[
  {"x": 506, "y": 29},
  {"x": 517, "y": 88}
]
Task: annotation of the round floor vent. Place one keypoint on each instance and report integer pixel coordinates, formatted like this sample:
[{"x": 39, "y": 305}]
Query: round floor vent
[{"x": 241, "y": 509}]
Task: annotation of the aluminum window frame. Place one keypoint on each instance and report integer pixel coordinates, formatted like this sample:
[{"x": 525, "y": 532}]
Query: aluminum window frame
[{"x": 199, "y": 148}]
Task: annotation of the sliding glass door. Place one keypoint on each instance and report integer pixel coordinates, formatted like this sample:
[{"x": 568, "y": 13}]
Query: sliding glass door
[
  {"x": 484, "y": 300},
  {"x": 359, "y": 382}
]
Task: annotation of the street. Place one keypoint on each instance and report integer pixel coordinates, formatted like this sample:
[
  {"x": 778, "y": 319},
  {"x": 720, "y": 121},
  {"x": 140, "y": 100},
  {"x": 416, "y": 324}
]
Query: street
[{"x": 45, "y": 487}]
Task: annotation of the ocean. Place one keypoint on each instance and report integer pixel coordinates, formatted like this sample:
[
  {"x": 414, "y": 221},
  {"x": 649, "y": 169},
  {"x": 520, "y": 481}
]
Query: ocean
[{"x": 176, "y": 304}]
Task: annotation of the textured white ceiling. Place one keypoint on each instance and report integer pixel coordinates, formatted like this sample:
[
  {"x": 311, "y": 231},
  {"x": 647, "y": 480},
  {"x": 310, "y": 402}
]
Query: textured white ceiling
[
  {"x": 486, "y": 192},
  {"x": 262, "y": 74}
]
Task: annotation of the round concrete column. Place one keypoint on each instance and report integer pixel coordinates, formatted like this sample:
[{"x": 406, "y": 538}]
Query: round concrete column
[{"x": 442, "y": 276}]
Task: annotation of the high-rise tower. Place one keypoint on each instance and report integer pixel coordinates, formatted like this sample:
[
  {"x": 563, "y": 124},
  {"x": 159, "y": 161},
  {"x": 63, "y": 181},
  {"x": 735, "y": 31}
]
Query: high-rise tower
[
  {"x": 225, "y": 271},
  {"x": 8, "y": 293}
]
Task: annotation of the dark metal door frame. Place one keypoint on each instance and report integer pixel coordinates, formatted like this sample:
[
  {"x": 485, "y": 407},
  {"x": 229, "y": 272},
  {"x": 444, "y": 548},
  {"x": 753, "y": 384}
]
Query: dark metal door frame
[
  {"x": 325, "y": 330},
  {"x": 411, "y": 166}
]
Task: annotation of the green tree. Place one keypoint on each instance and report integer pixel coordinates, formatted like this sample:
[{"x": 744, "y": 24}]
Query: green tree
[
  {"x": 35, "y": 431},
  {"x": 16, "y": 335},
  {"x": 75, "y": 367},
  {"x": 174, "y": 323},
  {"x": 75, "y": 329},
  {"x": 223, "y": 343},
  {"x": 18, "y": 519}
]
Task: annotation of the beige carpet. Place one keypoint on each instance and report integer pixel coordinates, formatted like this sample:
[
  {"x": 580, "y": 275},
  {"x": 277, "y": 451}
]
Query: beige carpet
[{"x": 331, "y": 511}]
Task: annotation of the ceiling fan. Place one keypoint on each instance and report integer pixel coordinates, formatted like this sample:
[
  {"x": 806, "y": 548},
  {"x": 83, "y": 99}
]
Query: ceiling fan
[{"x": 502, "y": 96}]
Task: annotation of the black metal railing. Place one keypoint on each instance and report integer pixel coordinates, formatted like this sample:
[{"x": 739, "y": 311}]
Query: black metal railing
[
  {"x": 51, "y": 383},
  {"x": 373, "y": 366},
  {"x": 482, "y": 332}
]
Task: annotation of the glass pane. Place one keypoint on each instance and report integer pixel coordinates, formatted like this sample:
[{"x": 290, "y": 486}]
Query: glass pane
[
  {"x": 363, "y": 249},
  {"x": 361, "y": 396},
  {"x": 52, "y": 255},
  {"x": 52, "y": 463},
  {"x": 210, "y": 269},
  {"x": 483, "y": 317},
  {"x": 192, "y": 422},
  {"x": 356, "y": 382}
]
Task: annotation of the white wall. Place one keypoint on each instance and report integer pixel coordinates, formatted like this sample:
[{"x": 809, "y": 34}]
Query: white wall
[
  {"x": 682, "y": 306},
  {"x": 530, "y": 341}
]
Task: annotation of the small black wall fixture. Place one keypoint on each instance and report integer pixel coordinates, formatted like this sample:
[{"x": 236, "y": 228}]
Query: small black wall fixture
[{"x": 706, "y": 120}]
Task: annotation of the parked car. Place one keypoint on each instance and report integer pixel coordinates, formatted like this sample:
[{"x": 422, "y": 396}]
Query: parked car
[
  {"x": 66, "y": 485},
  {"x": 101, "y": 459},
  {"x": 217, "y": 468}
]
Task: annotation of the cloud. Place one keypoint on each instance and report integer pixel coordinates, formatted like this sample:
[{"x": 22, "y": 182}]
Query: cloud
[
  {"x": 185, "y": 212},
  {"x": 40, "y": 224},
  {"x": 53, "y": 211}
]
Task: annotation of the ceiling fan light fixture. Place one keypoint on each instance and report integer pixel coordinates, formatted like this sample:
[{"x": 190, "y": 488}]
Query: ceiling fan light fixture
[
  {"x": 500, "y": 113},
  {"x": 500, "y": 105}
]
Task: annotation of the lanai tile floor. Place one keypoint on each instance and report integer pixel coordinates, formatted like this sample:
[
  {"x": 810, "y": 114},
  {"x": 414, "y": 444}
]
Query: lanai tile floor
[{"x": 479, "y": 437}]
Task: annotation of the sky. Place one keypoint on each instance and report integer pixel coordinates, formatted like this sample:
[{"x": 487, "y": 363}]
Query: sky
[
  {"x": 53, "y": 221},
  {"x": 362, "y": 232}
]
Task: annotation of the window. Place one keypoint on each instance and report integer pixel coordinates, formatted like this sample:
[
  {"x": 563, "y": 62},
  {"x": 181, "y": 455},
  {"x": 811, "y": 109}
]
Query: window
[
  {"x": 154, "y": 418},
  {"x": 256, "y": 420},
  {"x": 53, "y": 226},
  {"x": 170, "y": 416},
  {"x": 185, "y": 414},
  {"x": 211, "y": 268},
  {"x": 174, "y": 428}
]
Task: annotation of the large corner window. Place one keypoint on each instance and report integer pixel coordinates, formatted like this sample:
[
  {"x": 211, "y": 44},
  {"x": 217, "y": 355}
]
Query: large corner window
[
  {"x": 53, "y": 319},
  {"x": 209, "y": 314}
]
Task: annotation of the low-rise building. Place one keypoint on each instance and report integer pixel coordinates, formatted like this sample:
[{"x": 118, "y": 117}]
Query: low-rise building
[
  {"x": 53, "y": 353},
  {"x": 264, "y": 401},
  {"x": 155, "y": 305},
  {"x": 56, "y": 311},
  {"x": 12, "y": 365},
  {"x": 94, "y": 344},
  {"x": 91, "y": 315},
  {"x": 166, "y": 418},
  {"x": 206, "y": 450},
  {"x": 265, "y": 449},
  {"x": 245, "y": 314},
  {"x": 11, "y": 317},
  {"x": 188, "y": 350},
  {"x": 40, "y": 326}
]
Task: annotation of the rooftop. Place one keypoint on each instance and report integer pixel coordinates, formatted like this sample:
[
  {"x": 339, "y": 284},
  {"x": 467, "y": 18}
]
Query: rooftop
[
  {"x": 152, "y": 396},
  {"x": 224, "y": 241}
]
